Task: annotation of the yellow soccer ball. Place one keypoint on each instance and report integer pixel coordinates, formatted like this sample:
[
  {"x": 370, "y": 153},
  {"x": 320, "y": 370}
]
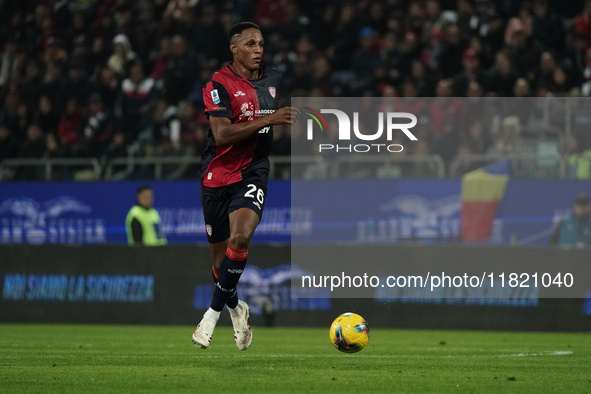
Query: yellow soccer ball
[{"x": 349, "y": 333}]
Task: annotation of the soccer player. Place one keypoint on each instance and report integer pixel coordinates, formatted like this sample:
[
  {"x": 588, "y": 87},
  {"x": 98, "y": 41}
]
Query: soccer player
[{"x": 241, "y": 102}]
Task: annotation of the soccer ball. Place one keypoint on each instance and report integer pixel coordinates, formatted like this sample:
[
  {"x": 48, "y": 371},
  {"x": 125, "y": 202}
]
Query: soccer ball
[{"x": 349, "y": 333}]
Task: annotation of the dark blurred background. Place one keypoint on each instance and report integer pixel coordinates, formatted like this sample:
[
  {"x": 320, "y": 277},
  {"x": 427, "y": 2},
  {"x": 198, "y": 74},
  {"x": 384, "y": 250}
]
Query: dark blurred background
[{"x": 114, "y": 79}]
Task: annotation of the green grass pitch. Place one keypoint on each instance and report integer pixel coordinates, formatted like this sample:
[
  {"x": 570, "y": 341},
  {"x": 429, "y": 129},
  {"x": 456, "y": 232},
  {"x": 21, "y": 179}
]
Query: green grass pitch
[{"x": 139, "y": 359}]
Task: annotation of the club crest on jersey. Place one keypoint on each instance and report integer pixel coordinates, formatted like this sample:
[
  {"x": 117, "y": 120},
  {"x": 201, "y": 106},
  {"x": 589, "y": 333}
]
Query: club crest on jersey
[
  {"x": 272, "y": 91},
  {"x": 208, "y": 229},
  {"x": 215, "y": 96}
]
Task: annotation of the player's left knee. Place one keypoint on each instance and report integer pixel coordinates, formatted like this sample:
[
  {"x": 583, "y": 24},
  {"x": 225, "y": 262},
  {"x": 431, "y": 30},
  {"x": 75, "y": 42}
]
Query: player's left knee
[{"x": 240, "y": 241}]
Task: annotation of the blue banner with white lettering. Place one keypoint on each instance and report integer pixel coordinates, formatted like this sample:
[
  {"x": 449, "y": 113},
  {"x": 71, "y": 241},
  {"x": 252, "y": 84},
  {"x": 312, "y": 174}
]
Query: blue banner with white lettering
[
  {"x": 383, "y": 211},
  {"x": 94, "y": 212}
]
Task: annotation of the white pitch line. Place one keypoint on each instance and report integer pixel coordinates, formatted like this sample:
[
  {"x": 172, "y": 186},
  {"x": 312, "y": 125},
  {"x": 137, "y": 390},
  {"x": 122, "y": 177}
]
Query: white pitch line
[{"x": 554, "y": 353}]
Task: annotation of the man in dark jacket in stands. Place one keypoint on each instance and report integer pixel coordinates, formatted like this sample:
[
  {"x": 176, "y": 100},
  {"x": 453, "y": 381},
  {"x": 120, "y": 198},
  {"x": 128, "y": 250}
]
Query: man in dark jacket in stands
[{"x": 575, "y": 229}]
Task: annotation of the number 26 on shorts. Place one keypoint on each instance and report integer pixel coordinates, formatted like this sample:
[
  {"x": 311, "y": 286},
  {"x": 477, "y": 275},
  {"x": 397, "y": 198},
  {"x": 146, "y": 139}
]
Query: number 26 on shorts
[{"x": 260, "y": 194}]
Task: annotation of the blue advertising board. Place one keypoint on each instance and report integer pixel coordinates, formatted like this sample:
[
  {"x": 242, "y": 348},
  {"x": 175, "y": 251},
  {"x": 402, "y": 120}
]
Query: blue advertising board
[
  {"x": 94, "y": 212},
  {"x": 531, "y": 208},
  {"x": 382, "y": 211}
]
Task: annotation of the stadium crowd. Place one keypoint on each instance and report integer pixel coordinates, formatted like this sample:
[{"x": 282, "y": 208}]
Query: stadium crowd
[{"x": 114, "y": 78}]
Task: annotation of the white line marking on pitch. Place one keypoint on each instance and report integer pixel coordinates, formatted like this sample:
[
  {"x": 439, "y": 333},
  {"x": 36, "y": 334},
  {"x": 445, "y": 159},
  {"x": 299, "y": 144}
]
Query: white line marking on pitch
[{"x": 555, "y": 353}]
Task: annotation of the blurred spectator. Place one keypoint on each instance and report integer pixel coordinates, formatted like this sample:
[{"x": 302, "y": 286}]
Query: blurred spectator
[
  {"x": 122, "y": 55},
  {"x": 521, "y": 88},
  {"x": 136, "y": 100},
  {"x": 53, "y": 53},
  {"x": 47, "y": 118},
  {"x": 167, "y": 128},
  {"x": 502, "y": 76},
  {"x": 575, "y": 229},
  {"x": 69, "y": 129},
  {"x": 492, "y": 31},
  {"x": 76, "y": 86},
  {"x": 209, "y": 39},
  {"x": 365, "y": 58},
  {"x": 432, "y": 53},
  {"x": 477, "y": 139},
  {"x": 463, "y": 164},
  {"x": 576, "y": 57},
  {"x": 8, "y": 62},
  {"x": 423, "y": 169},
  {"x": 434, "y": 18},
  {"x": 97, "y": 129},
  {"x": 161, "y": 59},
  {"x": 510, "y": 129},
  {"x": 583, "y": 22},
  {"x": 147, "y": 32},
  {"x": 471, "y": 73},
  {"x": 8, "y": 145},
  {"x": 578, "y": 158},
  {"x": 546, "y": 70},
  {"x": 548, "y": 28},
  {"x": 52, "y": 147},
  {"x": 422, "y": 81},
  {"x": 97, "y": 56},
  {"x": 271, "y": 14},
  {"x": 78, "y": 32},
  {"x": 522, "y": 22},
  {"x": 446, "y": 144},
  {"x": 51, "y": 85},
  {"x": 526, "y": 53},
  {"x": 467, "y": 19},
  {"x": 344, "y": 37},
  {"x": 117, "y": 149},
  {"x": 23, "y": 120},
  {"x": 180, "y": 70},
  {"x": 8, "y": 114},
  {"x": 107, "y": 87},
  {"x": 452, "y": 52},
  {"x": 446, "y": 106},
  {"x": 29, "y": 87},
  {"x": 34, "y": 145},
  {"x": 586, "y": 85}
]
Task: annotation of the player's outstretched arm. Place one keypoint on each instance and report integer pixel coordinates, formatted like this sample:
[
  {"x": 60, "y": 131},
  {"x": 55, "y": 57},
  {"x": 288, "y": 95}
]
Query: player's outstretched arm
[{"x": 227, "y": 133}]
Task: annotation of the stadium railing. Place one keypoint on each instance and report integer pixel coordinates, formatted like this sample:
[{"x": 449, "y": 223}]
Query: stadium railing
[
  {"x": 525, "y": 165},
  {"x": 48, "y": 165}
]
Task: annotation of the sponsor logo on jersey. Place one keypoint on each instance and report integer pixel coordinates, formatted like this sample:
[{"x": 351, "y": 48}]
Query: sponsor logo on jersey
[
  {"x": 247, "y": 110},
  {"x": 239, "y": 93},
  {"x": 265, "y": 130},
  {"x": 208, "y": 229},
  {"x": 215, "y": 96},
  {"x": 272, "y": 91}
]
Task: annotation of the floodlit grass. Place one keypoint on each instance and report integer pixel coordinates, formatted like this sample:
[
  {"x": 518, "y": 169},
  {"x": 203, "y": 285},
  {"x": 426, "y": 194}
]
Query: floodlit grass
[{"x": 138, "y": 359}]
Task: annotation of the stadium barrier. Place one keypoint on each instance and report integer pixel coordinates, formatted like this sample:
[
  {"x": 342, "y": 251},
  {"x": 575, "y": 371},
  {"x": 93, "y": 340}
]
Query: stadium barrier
[
  {"x": 526, "y": 165},
  {"x": 172, "y": 285}
]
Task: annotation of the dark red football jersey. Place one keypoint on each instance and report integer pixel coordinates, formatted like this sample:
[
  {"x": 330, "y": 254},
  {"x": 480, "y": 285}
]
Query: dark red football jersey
[{"x": 234, "y": 97}]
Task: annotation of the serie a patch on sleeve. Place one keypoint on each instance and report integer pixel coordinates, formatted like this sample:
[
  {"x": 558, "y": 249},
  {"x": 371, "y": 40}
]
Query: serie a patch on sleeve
[{"x": 215, "y": 96}]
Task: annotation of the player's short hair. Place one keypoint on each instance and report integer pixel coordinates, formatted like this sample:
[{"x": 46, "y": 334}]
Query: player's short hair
[
  {"x": 239, "y": 27},
  {"x": 142, "y": 189}
]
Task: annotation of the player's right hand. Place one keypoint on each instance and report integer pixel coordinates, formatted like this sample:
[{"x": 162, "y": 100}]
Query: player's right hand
[{"x": 285, "y": 115}]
